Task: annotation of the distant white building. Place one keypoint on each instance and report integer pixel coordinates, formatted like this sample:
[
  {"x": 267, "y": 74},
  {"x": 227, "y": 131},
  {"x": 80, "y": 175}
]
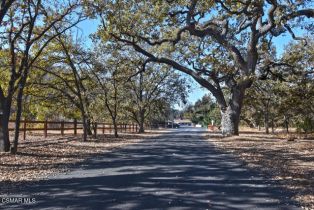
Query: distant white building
[{"x": 184, "y": 122}]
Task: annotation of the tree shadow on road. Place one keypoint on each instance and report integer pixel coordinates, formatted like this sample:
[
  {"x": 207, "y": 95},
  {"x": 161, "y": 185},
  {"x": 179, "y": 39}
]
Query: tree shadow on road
[{"x": 166, "y": 172}]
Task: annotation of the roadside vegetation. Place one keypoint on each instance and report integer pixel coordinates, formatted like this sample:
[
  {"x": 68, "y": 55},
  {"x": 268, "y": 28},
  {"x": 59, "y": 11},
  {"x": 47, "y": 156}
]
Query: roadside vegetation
[
  {"x": 290, "y": 162},
  {"x": 254, "y": 59}
]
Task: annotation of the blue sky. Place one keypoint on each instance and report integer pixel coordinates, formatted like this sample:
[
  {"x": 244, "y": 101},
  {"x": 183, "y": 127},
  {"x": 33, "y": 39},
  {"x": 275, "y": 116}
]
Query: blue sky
[{"x": 90, "y": 26}]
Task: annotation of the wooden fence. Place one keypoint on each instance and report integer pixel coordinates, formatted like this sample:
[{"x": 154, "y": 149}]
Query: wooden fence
[{"x": 62, "y": 127}]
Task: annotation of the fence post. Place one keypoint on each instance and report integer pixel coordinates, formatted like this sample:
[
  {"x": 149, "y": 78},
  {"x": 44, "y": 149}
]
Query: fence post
[
  {"x": 75, "y": 127},
  {"x": 103, "y": 128},
  {"x": 46, "y": 128},
  {"x": 24, "y": 126},
  {"x": 109, "y": 128},
  {"x": 125, "y": 128},
  {"x": 136, "y": 129},
  {"x": 62, "y": 127}
]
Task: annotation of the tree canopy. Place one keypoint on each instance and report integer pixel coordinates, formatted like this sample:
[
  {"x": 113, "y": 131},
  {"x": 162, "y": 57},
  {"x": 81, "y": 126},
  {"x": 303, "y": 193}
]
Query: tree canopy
[
  {"x": 139, "y": 62},
  {"x": 219, "y": 44}
]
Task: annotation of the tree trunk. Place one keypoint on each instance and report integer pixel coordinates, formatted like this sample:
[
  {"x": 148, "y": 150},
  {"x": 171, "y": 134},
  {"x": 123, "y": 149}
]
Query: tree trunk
[
  {"x": 95, "y": 129},
  {"x": 115, "y": 127},
  {"x": 272, "y": 126},
  {"x": 85, "y": 127},
  {"x": 266, "y": 116},
  {"x": 4, "y": 130},
  {"x": 230, "y": 122},
  {"x": 287, "y": 126},
  {"x": 89, "y": 127},
  {"x": 17, "y": 121},
  {"x": 141, "y": 128},
  {"x": 141, "y": 121},
  {"x": 266, "y": 122},
  {"x": 231, "y": 114},
  {"x": 286, "y": 123}
]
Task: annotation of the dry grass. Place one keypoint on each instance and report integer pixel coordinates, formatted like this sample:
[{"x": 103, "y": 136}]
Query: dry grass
[
  {"x": 38, "y": 158},
  {"x": 291, "y": 162}
]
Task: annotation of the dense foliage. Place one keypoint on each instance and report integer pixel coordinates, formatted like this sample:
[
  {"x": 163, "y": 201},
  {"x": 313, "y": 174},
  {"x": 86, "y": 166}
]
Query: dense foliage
[{"x": 142, "y": 52}]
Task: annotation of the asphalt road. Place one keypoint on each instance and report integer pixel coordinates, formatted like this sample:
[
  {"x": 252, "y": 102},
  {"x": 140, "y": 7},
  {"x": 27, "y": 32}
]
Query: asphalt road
[{"x": 178, "y": 170}]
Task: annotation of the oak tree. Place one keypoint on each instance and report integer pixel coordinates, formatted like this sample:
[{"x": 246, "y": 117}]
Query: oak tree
[
  {"x": 26, "y": 29},
  {"x": 218, "y": 43}
]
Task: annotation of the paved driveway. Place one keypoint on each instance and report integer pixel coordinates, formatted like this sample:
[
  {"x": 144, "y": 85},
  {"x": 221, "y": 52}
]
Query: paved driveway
[{"x": 178, "y": 170}]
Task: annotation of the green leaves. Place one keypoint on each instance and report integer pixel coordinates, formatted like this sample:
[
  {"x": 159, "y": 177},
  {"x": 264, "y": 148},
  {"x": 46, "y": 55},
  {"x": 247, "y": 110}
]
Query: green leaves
[{"x": 291, "y": 99}]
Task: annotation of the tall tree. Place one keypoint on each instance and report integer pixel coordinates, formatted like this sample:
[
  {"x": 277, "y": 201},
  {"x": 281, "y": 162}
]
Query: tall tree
[
  {"x": 287, "y": 97},
  {"x": 218, "y": 43},
  {"x": 65, "y": 69},
  {"x": 4, "y": 139},
  {"x": 137, "y": 93},
  {"x": 111, "y": 85},
  {"x": 27, "y": 28},
  {"x": 147, "y": 88},
  {"x": 204, "y": 111},
  {"x": 110, "y": 69},
  {"x": 260, "y": 103}
]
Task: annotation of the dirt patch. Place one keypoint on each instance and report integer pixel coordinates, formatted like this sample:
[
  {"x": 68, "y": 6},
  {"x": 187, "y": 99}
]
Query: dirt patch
[
  {"x": 37, "y": 157},
  {"x": 291, "y": 162}
]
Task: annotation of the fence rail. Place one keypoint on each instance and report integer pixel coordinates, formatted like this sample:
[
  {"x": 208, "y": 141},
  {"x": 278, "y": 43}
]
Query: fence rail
[{"x": 75, "y": 126}]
